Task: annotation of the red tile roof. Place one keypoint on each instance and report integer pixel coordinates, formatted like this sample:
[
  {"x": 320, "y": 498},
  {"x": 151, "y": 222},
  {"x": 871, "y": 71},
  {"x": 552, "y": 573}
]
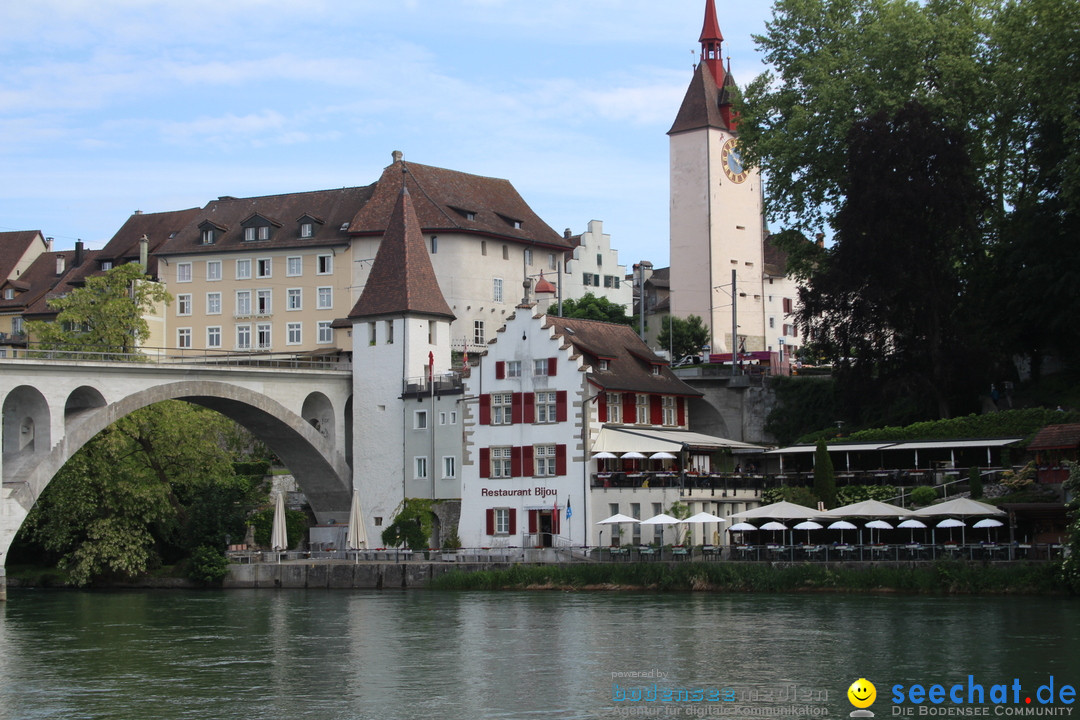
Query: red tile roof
[
  {"x": 630, "y": 361},
  {"x": 402, "y": 280},
  {"x": 701, "y": 105},
  {"x": 44, "y": 283},
  {"x": 157, "y": 227},
  {"x": 1056, "y": 437},
  {"x": 452, "y": 201},
  {"x": 13, "y": 245}
]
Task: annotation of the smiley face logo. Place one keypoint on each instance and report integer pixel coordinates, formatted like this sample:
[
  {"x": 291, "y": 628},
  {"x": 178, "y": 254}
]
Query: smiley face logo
[{"x": 862, "y": 693}]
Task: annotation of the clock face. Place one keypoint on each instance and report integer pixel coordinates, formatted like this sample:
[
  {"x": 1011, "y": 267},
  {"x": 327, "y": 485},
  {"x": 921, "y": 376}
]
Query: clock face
[{"x": 732, "y": 162}]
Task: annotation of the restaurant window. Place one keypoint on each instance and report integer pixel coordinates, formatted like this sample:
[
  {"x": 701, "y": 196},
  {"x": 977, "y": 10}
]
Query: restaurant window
[
  {"x": 544, "y": 461},
  {"x": 545, "y": 407},
  {"x": 502, "y": 521},
  {"x": 614, "y": 407},
  {"x": 501, "y": 408},
  {"x": 642, "y": 409},
  {"x": 501, "y": 466},
  {"x": 513, "y": 368},
  {"x": 671, "y": 414}
]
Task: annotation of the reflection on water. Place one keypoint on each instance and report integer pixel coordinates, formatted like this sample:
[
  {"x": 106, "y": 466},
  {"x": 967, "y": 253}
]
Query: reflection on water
[{"x": 418, "y": 654}]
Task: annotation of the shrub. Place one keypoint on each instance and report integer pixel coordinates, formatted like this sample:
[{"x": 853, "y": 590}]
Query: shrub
[
  {"x": 975, "y": 482},
  {"x": 209, "y": 566},
  {"x": 923, "y": 495}
]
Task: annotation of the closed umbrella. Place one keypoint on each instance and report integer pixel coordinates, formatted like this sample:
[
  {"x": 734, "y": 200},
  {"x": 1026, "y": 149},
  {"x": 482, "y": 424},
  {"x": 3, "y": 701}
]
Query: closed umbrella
[
  {"x": 356, "y": 538},
  {"x": 278, "y": 539}
]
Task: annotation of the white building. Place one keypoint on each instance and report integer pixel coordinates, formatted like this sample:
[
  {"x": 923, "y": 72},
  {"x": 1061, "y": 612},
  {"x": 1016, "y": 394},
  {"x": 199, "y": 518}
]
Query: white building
[{"x": 593, "y": 267}]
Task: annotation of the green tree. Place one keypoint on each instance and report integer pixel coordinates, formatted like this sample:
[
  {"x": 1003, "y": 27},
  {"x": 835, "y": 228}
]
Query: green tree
[
  {"x": 824, "y": 477},
  {"x": 122, "y": 503},
  {"x": 838, "y": 62},
  {"x": 590, "y": 307},
  {"x": 886, "y": 302},
  {"x": 686, "y": 337},
  {"x": 106, "y": 315}
]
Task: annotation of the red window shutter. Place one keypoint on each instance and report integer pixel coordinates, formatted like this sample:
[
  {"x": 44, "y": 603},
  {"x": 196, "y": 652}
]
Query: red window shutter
[
  {"x": 787, "y": 305},
  {"x": 656, "y": 410},
  {"x": 560, "y": 406},
  {"x": 528, "y": 466},
  {"x": 794, "y": 330},
  {"x": 533, "y": 514},
  {"x": 601, "y": 407},
  {"x": 530, "y": 408},
  {"x": 560, "y": 459},
  {"x": 485, "y": 409},
  {"x": 515, "y": 461},
  {"x": 681, "y": 403},
  {"x": 490, "y": 517},
  {"x": 485, "y": 462},
  {"x": 500, "y": 370},
  {"x": 513, "y": 521},
  {"x": 553, "y": 366},
  {"x": 516, "y": 407},
  {"x": 629, "y": 408}
]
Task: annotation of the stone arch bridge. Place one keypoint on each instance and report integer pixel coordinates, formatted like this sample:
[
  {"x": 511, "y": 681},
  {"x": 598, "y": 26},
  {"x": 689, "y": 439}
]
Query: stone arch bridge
[{"x": 51, "y": 408}]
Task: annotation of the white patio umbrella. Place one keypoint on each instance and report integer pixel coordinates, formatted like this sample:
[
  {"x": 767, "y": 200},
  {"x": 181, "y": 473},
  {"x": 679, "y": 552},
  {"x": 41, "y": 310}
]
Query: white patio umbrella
[
  {"x": 356, "y": 537},
  {"x": 868, "y": 509},
  {"x": 988, "y": 523},
  {"x": 878, "y": 525},
  {"x": 912, "y": 523},
  {"x": 605, "y": 455},
  {"x": 663, "y": 456},
  {"x": 661, "y": 519},
  {"x": 742, "y": 527},
  {"x": 782, "y": 510},
  {"x": 278, "y": 539},
  {"x": 701, "y": 518},
  {"x": 808, "y": 525},
  {"x": 616, "y": 519},
  {"x": 633, "y": 455},
  {"x": 842, "y": 525},
  {"x": 951, "y": 523},
  {"x": 774, "y": 527}
]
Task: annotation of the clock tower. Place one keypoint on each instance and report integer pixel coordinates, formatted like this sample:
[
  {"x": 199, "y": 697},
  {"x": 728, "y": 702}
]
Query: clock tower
[{"x": 716, "y": 225}]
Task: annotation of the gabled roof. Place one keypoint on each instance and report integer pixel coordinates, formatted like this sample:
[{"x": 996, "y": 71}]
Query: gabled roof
[
  {"x": 1056, "y": 437},
  {"x": 337, "y": 207},
  {"x": 13, "y": 246},
  {"x": 402, "y": 280},
  {"x": 452, "y": 201},
  {"x": 44, "y": 284},
  {"x": 630, "y": 361},
  {"x": 157, "y": 227}
]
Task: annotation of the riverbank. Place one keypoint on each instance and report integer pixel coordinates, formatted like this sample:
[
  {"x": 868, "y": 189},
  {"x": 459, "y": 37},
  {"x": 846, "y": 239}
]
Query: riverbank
[{"x": 939, "y": 578}]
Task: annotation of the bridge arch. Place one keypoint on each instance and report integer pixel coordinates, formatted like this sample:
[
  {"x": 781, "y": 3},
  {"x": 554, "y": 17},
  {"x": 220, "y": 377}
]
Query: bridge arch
[
  {"x": 318, "y": 411},
  {"x": 27, "y": 422},
  {"x": 81, "y": 399},
  {"x": 319, "y": 469}
]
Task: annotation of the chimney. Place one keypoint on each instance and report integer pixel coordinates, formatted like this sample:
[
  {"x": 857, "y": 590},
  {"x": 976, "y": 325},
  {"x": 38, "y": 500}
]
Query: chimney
[
  {"x": 397, "y": 155},
  {"x": 60, "y": 264},
  {"x": 48, "y": 244},
  {"x": 78, "y": 253},
  {"x": 820, "y": 237},
  {"x": 566, "y": 233},
  {"x": 144, "y": 251}
]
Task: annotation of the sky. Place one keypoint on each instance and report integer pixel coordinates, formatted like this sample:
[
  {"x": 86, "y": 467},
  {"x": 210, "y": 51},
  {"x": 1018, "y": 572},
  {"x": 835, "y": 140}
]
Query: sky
[{"x": 112, "y": 106}]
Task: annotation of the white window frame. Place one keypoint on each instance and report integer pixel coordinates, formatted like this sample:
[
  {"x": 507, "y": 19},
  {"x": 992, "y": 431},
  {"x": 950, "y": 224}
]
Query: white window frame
[
  {"x": 213, "y": 336},
  {"x": 243, "y": 303},
  {"x": 243, "y": 269},
  {"x": 324, "y": 298},
  {"x": 478, "y": 332},
  {"x": 264, "y": 335},
  {"x": 420, "y": 420},
  {"x": 614, "y": 407},
  {"x": 642, "y": 409},
  {"x": 449, "y": 467},
  {"x": 243, "y": 336},
  {"x": 213, "y": 270},
  {"x": 291, "y": 295},
  {"x": 546, "y": 406},
  {"x": 294, "y": 333},
  {"x": 497, "y": 290},
  {"x": 183, "y": 304},
  {"x": 324, "y": 264},
  {"x": 513, "y": 368},
  {"x": 540, "y": 367},
  {"x": 264, "y": 301},
  {"x": 502, "y": 521},
  {"x": 501, "y": 463},
  {"x": 183, "y": 272},
  {"x": 671, "y": 411},
  {"x": 326, "y": 332},
  {"x": 502, "y": 408},
  {"x": 183, "y": 338},
  {"x": 264, "y": 267},
  {"x": 307, "y": 229},
  {"x": 213, "y": 303},
  {"x": 294, "y": 266},
  {"x": 544, "y": 461},
  {"x": 420, "y": 468}
]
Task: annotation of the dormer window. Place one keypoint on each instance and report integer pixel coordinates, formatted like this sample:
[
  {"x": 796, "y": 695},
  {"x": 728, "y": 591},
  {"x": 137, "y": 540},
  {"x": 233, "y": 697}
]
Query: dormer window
[
  {"x": 512, "y": 222},
  {"x": 307, "y": 230},
  {"x": 249, "y": 234},
  {"x": 602, "y": 365},
  {"x": 655, "y": 369},
  {"x": 467, "y": 214},
  {"x": 9, "y": 293},
  {"x": 258, "y": 227}
]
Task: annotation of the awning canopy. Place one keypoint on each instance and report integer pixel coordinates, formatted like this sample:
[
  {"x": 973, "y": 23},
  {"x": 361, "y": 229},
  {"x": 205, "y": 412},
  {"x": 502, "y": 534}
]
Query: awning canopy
[
  {"x": 872, "y": 446},
  {"x": 623, "y": 439}
]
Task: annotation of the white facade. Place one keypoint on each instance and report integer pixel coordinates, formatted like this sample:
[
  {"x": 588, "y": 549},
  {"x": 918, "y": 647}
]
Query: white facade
[
  {"x": 522, "y": 467},
  {"x": 594, "y": 267}
]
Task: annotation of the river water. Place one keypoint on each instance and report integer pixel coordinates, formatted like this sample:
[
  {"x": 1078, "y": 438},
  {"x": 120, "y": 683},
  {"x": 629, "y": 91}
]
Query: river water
[{"x": 267, "y": 654}]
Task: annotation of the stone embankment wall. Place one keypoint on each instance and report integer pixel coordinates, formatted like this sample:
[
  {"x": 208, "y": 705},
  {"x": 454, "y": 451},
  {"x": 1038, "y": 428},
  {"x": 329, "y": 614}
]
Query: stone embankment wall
[{"x": 344, "y": 576}]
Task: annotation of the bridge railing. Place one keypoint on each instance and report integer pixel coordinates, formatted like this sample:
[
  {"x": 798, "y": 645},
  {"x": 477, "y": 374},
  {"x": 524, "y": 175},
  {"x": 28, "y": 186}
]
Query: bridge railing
[{"x": 318, "y": 360}]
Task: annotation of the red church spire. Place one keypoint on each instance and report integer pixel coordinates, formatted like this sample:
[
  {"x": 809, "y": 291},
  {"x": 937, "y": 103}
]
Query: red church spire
[{"x": 711, "y": 39}]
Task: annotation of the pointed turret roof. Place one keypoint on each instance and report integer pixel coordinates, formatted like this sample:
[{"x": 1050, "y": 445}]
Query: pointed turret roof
[
  {"x": 707, "y": 103},
  {"x": 402, "y": 280}
]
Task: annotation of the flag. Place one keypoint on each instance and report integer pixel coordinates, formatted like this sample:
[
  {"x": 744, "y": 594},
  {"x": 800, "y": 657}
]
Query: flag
[
  {"x": 569, "y": 510},
  {"x": 430, "y": 367},
  {"x": 465, "y": 358}
]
